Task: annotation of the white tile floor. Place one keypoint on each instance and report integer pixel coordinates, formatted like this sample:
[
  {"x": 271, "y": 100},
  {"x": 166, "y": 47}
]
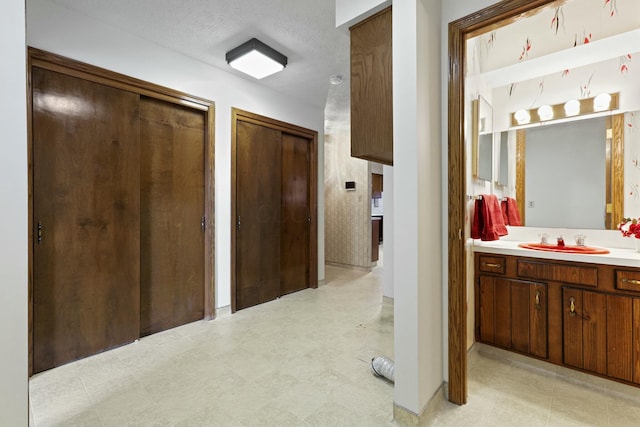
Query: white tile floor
[{"x": 303, "y": 360}]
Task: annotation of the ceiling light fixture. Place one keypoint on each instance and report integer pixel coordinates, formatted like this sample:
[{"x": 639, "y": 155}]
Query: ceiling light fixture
[{"x": 256, "y": 59}]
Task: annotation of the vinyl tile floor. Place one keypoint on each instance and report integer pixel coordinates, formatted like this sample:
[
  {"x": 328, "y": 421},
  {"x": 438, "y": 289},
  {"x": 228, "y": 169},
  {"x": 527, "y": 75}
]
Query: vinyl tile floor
[{"x": 304, "y": 360}]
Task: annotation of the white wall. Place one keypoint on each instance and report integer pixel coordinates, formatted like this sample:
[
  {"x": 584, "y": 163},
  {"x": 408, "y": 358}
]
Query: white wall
[
  {"x": 350, "y": 12},
  {"x": 417, "y": 214},
  {"x": 387, "y": 233},
  {"x": 62, "y": 31},
  {"x": 13, "y": 226}
]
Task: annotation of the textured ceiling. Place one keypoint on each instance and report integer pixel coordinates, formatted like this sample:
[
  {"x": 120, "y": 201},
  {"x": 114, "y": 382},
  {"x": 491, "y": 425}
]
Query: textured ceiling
[{"x": 303, "y": 30}]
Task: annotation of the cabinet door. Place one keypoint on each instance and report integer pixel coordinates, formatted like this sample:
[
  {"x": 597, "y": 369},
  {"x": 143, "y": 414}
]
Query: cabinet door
[
  {"x": 620, "y": 337},
  {"x": 371, "y": 89},
  {"x": 529, "y": 317},
  {"x": 585, "y": 329},
  {"x": 513, "y": 314},
  {"x": 495, "y": 311}
]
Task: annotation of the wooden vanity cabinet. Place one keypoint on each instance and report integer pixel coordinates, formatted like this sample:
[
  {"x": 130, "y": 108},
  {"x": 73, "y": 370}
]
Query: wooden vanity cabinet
[
  {"x": 512, "y": 313},
  {"x": 584, "y": 316}
]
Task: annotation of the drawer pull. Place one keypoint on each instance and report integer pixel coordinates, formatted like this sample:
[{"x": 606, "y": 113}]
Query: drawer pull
[
  {"x": 490, "y": 265},
  {"x": 631, "y": 281},
  {"x": 537, "y": 306},
  {"x": 572, "y": 306}
]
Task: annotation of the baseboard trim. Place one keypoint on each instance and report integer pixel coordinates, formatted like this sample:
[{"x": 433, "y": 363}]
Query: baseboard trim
[{"x": 403, "y": 417}]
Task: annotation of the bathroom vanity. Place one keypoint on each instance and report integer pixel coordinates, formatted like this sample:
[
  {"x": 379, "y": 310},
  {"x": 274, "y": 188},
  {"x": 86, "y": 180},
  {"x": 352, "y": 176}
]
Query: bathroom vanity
[{"x": 579, "y": 311}]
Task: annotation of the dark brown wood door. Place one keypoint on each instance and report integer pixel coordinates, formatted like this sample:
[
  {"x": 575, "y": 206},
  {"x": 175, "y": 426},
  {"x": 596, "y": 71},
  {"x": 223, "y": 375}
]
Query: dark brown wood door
[
  {"x": 258, "y": 211},
  {"x": 296, "y": 218},
  {"x": 620, "y": 337},
  {"x": 585, "y": 329},
  {"x": 86, "y": 207},
  {"x": 172, "y": 207}
]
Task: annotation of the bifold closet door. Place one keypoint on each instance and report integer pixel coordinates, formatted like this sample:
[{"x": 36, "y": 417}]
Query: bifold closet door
[
  {"x": 172, "y": 210},
  {"x": 296, "y": 216},
  {"x": 86, "y": 210},
  {"x": 258, "y": 178}
]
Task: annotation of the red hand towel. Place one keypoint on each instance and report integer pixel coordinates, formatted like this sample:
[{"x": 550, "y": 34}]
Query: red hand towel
[
  {"x": 488, "y": 223},
  {"x": 493, "y": 223},
  {"x": 510, "y": 211}
]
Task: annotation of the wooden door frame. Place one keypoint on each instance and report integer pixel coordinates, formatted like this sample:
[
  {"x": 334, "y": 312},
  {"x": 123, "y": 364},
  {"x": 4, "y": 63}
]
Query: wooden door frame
[
  {"x": 479, "y": 22},
  {"x": 53, "y": 62},
  {"x": 238, "y": 115}
]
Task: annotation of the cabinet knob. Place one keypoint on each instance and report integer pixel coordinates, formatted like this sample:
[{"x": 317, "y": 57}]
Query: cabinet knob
[
  {"x": 490, "y": 265},
  {"x": 572, "y": 306},
  {"x": 537, "y": 306}
]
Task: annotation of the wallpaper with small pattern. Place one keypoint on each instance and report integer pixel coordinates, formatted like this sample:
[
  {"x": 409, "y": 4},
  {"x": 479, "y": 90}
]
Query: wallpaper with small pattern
[{"x": 347, "y": 212}]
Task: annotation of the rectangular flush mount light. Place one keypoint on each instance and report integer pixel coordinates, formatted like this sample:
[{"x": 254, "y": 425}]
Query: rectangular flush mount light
[{"x": 256, "y": 59}]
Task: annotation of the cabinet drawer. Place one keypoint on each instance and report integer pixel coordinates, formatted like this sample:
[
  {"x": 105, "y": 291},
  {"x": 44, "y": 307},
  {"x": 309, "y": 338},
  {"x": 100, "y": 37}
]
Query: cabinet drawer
[
  {"x": 628, "y": 280},
  {"x": 493, "y": 264},
  {"x": 586, "y": 276}
]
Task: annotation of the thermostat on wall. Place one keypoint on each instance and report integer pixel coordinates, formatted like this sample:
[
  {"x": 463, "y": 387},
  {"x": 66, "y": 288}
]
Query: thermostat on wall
[{"x": 350, "y": 185}]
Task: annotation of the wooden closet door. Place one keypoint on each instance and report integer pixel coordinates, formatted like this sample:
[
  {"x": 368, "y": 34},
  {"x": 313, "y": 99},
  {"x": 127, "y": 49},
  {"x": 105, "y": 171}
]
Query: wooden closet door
[
  {"x": 172, "y": 207},
  {"x": 295, "y": 214},
  {"x": 86, "y": 218},
  {"x": 258, "y": 194}
]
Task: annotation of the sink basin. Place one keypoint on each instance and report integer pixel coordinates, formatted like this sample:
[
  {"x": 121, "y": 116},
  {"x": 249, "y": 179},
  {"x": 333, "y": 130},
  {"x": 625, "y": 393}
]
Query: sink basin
[{"x": 590, "y": 250}]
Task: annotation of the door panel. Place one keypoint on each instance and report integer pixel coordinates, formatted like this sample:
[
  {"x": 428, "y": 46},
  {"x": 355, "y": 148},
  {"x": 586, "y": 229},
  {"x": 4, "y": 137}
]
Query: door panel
[
  {"x": 172, "y": 207},
  {"x": 258, "y": 195},
  {"x": 295, "y": 214},
  {"x": 502, "y": 310},
  {"x": 520, "y": 309},
  {"x": 86, "y": 198},
  {"x": 487, "y": 309},
  {"x": 572, "y": 327},
  {"x": 594, "y": 332},
  {"x": 620, "y": 337}
]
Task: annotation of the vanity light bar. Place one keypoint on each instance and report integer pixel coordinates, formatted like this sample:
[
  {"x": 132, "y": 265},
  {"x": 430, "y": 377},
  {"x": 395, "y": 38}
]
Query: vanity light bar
[{"x": 573, "y": 108}]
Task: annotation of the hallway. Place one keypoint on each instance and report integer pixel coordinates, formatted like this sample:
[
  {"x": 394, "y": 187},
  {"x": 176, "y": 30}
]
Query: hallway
[
  {"x": 304, "y": 360},
  {"x": 301, "y": 360}
]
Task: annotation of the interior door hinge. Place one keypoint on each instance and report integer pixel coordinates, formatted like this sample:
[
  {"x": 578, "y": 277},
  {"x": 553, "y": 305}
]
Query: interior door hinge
[
  {"x": 39, "y": 233},
  {"x": 203, "y": 223}
]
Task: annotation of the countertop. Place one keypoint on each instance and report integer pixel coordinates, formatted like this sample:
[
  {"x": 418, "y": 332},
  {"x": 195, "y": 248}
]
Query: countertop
[{"x": 616, "y": 256}]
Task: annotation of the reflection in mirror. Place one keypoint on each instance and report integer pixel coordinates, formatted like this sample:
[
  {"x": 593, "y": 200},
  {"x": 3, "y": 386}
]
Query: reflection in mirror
[
  {"x": 565, "y": 175},
  {"x": 503, "y": 160},
  {"x": 482, "y": 139}
]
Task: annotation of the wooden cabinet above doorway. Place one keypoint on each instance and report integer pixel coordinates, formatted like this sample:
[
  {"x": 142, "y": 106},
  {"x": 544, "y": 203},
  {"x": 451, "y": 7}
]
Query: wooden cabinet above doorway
[{"x": 371, "y": 89}]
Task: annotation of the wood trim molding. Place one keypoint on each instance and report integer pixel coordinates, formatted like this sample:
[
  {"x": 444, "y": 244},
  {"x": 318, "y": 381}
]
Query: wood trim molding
[
  {"x": 473, "y": 24},
  {"x": 49, "y": 61},
  {"x": 521, "y": 153},
  {"x": 617, "y": 170},
  {"x": 238, "y": 115}
]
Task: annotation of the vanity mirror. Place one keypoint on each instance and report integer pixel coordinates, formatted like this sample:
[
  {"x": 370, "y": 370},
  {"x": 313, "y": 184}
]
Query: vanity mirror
[{"x": 482, "y": 139}]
